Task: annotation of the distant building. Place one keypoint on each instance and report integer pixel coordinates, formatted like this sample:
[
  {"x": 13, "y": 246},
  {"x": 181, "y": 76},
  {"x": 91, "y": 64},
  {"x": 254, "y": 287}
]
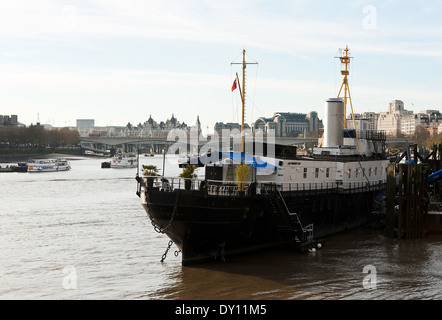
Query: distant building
[
  {"x": 289, "y": 124},
  {"x": 152, "y": 128},
  {"x": 370, "y": 117},
  {"x": 220, "y": 126},
  {"x": 86, "y": 127},
  {"x": 409, "y": 124},
  {"x": 429, "y": 119},
  {"x": 361, "y": 124},
  {"x": 85, "y": 123},
  {"x": 11, "y": 121},
  {"x": 390, "y": 121}
]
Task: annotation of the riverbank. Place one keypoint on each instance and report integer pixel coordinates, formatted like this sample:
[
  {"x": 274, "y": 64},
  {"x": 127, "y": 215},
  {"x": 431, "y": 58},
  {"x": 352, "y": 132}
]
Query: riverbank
[{"x": 24, "y": 155}]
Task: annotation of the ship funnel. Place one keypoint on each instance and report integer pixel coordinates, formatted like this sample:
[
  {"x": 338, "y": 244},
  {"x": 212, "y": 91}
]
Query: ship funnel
[{"x": 334, "y": 122}]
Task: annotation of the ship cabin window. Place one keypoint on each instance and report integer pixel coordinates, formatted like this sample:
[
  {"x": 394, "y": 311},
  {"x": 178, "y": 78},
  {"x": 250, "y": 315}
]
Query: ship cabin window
[
  {"x": 349, "y": 173},
  {"x": 369, "y": 172},
  {"x": 375, "y": 171},
  {"x": 305, "y": 173},
  {"x": 327, "y": 172},
  {"x": 316, "y": 172},
  {"x": 357, "y": 173}
]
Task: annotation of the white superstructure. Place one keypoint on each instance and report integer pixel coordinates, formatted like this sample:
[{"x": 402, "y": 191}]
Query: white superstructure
[
  {"x": 348, "y": 158},
  {"x": 124, "y": 160},
  {"x": 48, "y": 165}
]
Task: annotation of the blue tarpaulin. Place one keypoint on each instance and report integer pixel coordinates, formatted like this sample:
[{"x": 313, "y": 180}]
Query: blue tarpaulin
[
  {"x": 248, "y": 159},
  {"x": 435, "y": 176}
]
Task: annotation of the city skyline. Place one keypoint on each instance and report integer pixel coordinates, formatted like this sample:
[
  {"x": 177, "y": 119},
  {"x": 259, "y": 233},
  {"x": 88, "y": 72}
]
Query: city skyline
[{"x": 120, "y": 61}]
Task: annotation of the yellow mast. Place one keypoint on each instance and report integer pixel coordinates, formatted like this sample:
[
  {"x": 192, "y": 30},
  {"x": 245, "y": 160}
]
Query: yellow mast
[
  {"x": 243, "y": 95},
  {"x": 345, "y": 61}
]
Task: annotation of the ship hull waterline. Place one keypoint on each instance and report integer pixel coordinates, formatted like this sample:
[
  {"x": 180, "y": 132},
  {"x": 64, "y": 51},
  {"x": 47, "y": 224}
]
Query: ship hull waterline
[{"x": 206, "y": 227}]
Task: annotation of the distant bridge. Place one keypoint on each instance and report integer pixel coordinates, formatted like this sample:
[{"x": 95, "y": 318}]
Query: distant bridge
[{"x": 158, "y": 144}]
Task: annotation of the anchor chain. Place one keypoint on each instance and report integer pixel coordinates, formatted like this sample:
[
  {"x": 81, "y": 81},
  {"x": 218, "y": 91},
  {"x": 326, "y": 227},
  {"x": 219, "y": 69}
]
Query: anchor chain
[
  {"x": 167, "y": 250},
  {"x": 159, "y": 229}
]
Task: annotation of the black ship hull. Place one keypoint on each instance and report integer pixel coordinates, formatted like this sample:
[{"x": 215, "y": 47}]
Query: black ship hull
[{"x": 207, "y": 227}]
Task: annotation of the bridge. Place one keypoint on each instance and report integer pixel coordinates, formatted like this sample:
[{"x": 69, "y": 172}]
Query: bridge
[{"x": 158, "y": 144}]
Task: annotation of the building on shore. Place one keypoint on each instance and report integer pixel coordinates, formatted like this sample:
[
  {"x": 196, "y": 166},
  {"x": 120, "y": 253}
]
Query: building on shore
[
  {"x": 152, "y": 128},
  {"x": 85, "y": 123},
  {"x": 370, "y": 117},
  {"x": 289, "y": 124},
  {"x": 149, "y": 128},
  {"x": 398, "y": 121},
  {"x": 9, "y": 121},
  {"x": 220, "y": 126},
  {"x": 390, "y": 121}
]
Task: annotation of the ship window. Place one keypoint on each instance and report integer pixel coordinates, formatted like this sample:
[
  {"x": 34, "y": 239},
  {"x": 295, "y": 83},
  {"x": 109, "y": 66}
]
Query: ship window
[
  {"x": 349, "y": 173},
  {"x": 369, "y": 172},
  {"x": 305, "y": 173},
  {"x": 327, "y": 172},
  {"x": 375, "y": 171},
  {"x": 357, "y": 173},
  {"x": 316, "y": 172}
]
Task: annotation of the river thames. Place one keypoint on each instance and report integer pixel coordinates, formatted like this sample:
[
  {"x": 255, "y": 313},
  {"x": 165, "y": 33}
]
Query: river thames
[{"x": 83, "y": 234}]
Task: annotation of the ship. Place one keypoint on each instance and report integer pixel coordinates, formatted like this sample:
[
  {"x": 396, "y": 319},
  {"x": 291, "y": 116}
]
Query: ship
[
  {"x": 282, "y": 199},
  {"x": 123, "y": 160},
  {"x": 48, "y": 165}
]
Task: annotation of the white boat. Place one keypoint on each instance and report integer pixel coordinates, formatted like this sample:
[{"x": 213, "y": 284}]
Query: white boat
[
  {"x": 124, "y": 160},
  {"x": 48, "y": 165},
  {"x": 183, "y": 158}
]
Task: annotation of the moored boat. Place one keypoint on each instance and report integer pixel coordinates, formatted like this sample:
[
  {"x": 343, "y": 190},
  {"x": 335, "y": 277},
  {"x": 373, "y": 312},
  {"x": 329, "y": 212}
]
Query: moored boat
[
  {"x": 282, "y": 198},
  {"x": 21, "y": 167},
  {"x": 48, "y": 165},
  {"x": 106, "y": 164},
  {"x": 124, "y": 160},
  {"x": 6, "y": 168}
]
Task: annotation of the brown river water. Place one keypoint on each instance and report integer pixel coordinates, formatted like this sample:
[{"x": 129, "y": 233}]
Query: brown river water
[{"x": 83, "y": 234}]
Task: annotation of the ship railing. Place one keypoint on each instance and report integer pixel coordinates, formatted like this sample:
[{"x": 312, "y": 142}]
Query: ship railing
[
  {"x": 168, "y": 184},
  {"x": 214, "y": 187},
  {"x": 324, "y": 187},
  {"x": 229, "y": 188},
  {"x": 234, "y": 188}
]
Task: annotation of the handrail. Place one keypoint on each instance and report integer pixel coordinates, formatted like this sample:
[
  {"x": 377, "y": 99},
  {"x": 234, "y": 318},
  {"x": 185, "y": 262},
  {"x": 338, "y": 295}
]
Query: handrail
[{"x": 217, "y": 187}]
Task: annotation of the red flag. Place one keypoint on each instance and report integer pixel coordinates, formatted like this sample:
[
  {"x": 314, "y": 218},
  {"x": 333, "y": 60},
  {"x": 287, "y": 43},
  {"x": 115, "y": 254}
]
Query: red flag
[{"x": 234, "y": 85}]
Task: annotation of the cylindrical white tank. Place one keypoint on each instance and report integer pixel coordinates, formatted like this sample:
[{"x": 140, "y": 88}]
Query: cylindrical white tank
[{"x": 334, "y": 122}]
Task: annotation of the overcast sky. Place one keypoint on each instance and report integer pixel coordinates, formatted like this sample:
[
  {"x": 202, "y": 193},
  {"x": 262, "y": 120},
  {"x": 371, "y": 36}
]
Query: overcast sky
[{"x": 119, "y": 61}]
